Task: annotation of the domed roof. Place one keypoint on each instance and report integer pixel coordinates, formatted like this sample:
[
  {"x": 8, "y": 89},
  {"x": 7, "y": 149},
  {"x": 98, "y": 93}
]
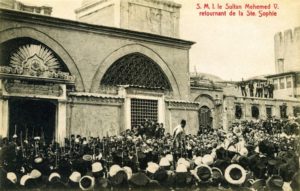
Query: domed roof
[{"x": 205, "y": 76}]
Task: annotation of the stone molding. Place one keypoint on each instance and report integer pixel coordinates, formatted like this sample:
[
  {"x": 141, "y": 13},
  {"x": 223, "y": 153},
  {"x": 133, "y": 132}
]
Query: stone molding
[
  {"x": 34, "y": 19},
  {"x": 94, "y": 99},
  {"x": 182, "y": 105}
]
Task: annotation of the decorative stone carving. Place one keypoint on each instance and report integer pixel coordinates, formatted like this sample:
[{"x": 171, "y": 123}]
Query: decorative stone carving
[
  {"x": 22, "y": 87},
  {"x": 218, "y": 102},
  {"x": 95, "y": 99},
  {"x": 35, "y": 60},
  {"x": 183, "y": 105}
]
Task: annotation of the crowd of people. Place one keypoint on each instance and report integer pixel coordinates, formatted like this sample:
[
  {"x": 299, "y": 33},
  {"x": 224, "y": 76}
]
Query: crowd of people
[
  {"x": 257, "y": 89},
  {"x": 260, "y": 155}
]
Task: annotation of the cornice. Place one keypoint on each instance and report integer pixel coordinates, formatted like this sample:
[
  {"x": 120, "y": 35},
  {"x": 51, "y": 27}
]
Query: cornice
[
  {"x": 35, "y": 19},
  {"x": 94, "y": 99},
  {"x": 182, "y": 105}
]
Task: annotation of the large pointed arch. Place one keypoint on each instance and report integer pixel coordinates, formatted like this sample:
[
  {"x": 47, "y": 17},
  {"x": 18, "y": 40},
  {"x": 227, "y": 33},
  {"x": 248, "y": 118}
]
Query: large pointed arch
[
  {"x": 27, "y": 32},
  {"x": 127, "y": 50}
]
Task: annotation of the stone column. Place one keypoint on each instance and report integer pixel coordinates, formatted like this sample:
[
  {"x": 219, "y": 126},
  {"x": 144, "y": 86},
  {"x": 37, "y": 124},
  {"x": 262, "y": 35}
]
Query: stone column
[
  {"x": 61, "y": 131},
  {"x": 127, "y": 112},
  {"x": 3, "y": 117}
]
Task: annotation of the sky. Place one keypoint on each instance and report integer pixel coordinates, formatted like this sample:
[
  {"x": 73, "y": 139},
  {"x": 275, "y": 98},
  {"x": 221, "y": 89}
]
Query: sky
[{"x": 231, "y": 47}]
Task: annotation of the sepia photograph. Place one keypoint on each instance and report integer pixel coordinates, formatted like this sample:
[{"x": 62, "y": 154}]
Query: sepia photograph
[{"x": 132, "y": 95}]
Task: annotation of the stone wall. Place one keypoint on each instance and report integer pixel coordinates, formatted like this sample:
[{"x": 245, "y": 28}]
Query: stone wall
[
  {"x": 88, "y": 51},
  {"x": 287, "y": 51},
  {"x": 178, "y": 110},
  {"x": 209, "y": 97},
  {"x": 246, "y": 103},
  {"x": 152, "y": 16},
  {"x": 94, "y": 120}
]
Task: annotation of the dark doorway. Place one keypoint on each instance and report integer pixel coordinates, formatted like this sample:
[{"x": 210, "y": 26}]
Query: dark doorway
[
  {"x": 205, "y": 118},
  {"x": 35, "y": 117}
]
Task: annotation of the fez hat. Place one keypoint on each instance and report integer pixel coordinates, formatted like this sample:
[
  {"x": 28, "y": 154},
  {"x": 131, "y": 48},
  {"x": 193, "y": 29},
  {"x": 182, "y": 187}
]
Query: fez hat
[
  {"x": 207, "y": 160},
  {"x": 164, "y": 162},
  {"x": 243, "y": 161},
  {"x": 114, "y": 169},
  {"x": 11, "y": 176},
  {"x": 75, "y": 177},
  {"x": 38, "y": 160},
  {"x": 160, "y": 175},
  {"x": 34, "y": 174},
  {"x": 128, "y": 171},
  {"x": 244, "y": 152},
  {"x": 97, "y": 167},
  {"x": 139, "y": 179},
  {"x": 235, "y": 174},
  {"x": 169, "y": 157},
  {"x": 275, "y": 182},
  {"x": 184, "y": 161},
  {"x": 55, "y": 181},
  {"x": 216, "y": 173},
  {"x": 87, "y": 183},
  {"x": 152, "y": 167},
  {"x": 181, "y": 168},
  {"x": 204, "y": 172},
  {"x": 24, "y": 179},
  {"x": 257, "y": 184},
  {"x": 119, "y": 179},
  {"x": 87, "y": 157},
  {"x": 53, "y": 175},
  {"x": 198, "y": 161}
]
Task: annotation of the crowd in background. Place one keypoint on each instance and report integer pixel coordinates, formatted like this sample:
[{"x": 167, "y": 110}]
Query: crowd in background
[
  {"x": 260, "y": 155},
  {"x": 257, "y": 89}
]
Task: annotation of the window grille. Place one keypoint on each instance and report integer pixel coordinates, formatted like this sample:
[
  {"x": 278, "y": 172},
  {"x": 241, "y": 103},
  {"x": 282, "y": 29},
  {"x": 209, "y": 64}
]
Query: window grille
[
  {"x": 142, "y": 109},
  {"x": 136, "y": 70}
]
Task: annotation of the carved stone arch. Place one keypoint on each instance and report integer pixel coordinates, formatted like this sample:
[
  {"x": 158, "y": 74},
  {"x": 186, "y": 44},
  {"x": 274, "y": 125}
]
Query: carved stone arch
[
  {"x": 129, "y": 49},
  {"x": 27, "y": 32},
  {"x": 205, "y": 100},
  {"x": 206, "y": 111}
]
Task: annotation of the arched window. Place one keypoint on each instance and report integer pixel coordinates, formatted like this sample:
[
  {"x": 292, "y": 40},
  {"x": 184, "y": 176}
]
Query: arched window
[
  {"x": 136, "y": 70},
  {"x": 255, "y": 112}
]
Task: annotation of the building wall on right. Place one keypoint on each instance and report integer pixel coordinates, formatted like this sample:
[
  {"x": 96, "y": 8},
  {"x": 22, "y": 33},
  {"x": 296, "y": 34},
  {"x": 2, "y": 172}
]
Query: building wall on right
[{"x": 287, "y": 51}]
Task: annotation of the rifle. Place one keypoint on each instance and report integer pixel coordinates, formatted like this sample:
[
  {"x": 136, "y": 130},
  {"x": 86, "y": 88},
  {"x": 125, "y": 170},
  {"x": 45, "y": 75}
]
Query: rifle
[
  {"x": 22, "y": 148},
  {"x": 42, "y": 135},
  {"x": 137, "y": 158},
  {"x": 26, "y": 135}
]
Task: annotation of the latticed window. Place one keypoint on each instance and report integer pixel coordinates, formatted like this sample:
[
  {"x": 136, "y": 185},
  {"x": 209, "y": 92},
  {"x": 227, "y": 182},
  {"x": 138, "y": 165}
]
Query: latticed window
[
  {"x": 142, "y": 109},
  {"x": 136, "y": 70}
]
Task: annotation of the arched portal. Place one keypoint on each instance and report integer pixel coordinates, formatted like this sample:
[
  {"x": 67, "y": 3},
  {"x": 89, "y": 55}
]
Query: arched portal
[{"x": 34, "y": 80}]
